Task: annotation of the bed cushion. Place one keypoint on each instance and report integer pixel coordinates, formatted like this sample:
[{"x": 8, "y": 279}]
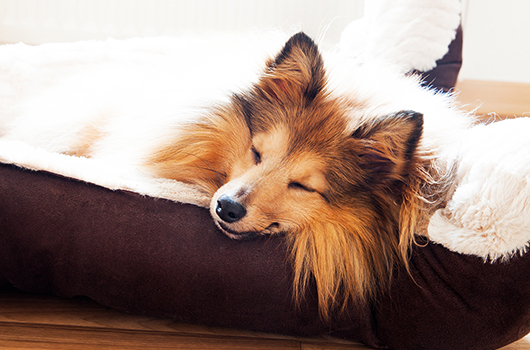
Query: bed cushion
[{"x": 155, "y": 257}]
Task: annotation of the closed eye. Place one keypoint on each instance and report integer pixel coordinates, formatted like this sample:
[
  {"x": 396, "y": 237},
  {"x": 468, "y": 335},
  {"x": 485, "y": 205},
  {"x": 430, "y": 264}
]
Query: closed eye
[
  {"x": 256, "y": 155},
  {"x": 298, "y": 186}
]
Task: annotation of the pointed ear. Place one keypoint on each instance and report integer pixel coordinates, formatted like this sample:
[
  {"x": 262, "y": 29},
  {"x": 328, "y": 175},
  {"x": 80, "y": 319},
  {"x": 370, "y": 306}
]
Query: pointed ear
[
  {"x": 386, "y": 146},
  {"x": 296, "y": 74}
]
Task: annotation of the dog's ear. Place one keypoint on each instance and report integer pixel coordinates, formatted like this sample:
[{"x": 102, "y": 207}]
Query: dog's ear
[
  {"x": 386, "y": 146},
  {"x": 296, "y": 74}
]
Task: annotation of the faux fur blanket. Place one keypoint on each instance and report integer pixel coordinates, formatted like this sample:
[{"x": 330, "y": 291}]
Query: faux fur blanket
[{"x": 413, "y": 34}]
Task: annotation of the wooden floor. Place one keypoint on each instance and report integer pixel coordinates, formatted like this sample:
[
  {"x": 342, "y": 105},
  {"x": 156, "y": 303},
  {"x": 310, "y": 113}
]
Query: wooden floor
[
  {"x": 494, "y": 100},
  {"x": 45, "y": 322},
  {"x": 31, "y": 321}
]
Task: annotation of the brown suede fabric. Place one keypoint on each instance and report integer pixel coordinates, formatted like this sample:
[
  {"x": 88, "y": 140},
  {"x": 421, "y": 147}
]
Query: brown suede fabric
[{"x": 155, "y": 257}]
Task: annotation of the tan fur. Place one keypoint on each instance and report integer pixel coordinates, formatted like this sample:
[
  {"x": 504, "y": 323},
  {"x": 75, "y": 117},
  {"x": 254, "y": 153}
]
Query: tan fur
[
  {"x": 347, "y": 196},
  {"x": 88, "y": 136},
  {"x": 203, "y": 153}
]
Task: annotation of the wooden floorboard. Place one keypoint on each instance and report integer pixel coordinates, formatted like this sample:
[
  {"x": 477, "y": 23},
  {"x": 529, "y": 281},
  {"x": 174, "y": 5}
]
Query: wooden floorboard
[
  {"x": 32, "y": 321},
  {"x": 65, "y": 337},
  {"x": 523, "y": 344},
  {"x": 494, "y": 99}
]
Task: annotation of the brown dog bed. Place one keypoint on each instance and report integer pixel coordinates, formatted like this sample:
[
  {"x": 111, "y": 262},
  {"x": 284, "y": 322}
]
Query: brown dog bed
[{"x": 154, "y": 257}]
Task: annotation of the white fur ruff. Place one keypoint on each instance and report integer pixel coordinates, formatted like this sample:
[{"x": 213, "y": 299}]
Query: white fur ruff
[{"x": 489, "y": 213}]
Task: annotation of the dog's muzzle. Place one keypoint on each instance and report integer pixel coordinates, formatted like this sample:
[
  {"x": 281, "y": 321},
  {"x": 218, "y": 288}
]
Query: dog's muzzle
[{"x": 229, "y": 210}]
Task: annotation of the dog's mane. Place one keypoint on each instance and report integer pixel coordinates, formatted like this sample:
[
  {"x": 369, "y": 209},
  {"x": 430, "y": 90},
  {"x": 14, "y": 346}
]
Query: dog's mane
[
  {"x": 350, "y": 257},
  {"x": 353, "y": 261}
]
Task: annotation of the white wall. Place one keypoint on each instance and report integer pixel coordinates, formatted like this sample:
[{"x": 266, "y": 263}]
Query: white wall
[
  {"x": 496, "y": 40},
  {"x": 38, "y": 21}
]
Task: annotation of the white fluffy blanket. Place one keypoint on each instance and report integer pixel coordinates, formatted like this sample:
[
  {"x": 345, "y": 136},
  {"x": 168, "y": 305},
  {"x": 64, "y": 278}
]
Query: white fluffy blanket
[
  {"x": 413, "y": 34},
  {"x": 489, "y": 213}
]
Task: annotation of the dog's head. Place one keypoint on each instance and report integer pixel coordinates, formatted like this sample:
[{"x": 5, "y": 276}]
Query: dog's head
[
  {"x": 306, "y": 168},
  {"x": 303, "y": 154}
]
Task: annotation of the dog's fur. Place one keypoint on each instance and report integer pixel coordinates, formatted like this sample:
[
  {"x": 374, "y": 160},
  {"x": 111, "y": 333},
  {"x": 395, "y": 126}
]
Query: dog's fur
[{"x": 348, "y": 165}]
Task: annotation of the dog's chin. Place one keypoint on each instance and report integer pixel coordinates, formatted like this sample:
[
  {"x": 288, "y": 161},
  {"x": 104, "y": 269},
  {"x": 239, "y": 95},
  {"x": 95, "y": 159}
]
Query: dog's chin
[
  {"x": 241, "y": 236},
  {"x": 248, "y": 235}
]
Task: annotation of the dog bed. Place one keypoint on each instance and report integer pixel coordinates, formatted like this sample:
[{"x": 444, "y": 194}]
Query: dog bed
[{"x": 154, "y": 257}]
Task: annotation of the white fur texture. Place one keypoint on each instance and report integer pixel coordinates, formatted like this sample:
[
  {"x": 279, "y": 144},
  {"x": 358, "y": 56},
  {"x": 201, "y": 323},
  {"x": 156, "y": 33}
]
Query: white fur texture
[
  {"x": 489, "y": 213},
  {"x": 413, "y": 34}
]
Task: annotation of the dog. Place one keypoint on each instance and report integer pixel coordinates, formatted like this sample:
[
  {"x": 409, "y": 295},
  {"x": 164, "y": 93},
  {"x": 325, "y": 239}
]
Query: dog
[{"x": 348, "y": 160}]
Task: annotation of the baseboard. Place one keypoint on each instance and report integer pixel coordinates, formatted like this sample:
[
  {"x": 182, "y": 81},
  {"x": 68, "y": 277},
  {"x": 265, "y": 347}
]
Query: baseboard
[{"x": 495, "y": 98}]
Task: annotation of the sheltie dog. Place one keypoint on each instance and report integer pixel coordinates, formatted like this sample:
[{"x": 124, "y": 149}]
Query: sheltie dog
[{"x": 346, "y": 159}]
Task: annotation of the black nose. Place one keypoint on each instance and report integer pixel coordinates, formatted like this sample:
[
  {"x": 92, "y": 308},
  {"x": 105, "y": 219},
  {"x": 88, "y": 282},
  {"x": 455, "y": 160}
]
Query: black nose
[{"x": 229, "y": 210}]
